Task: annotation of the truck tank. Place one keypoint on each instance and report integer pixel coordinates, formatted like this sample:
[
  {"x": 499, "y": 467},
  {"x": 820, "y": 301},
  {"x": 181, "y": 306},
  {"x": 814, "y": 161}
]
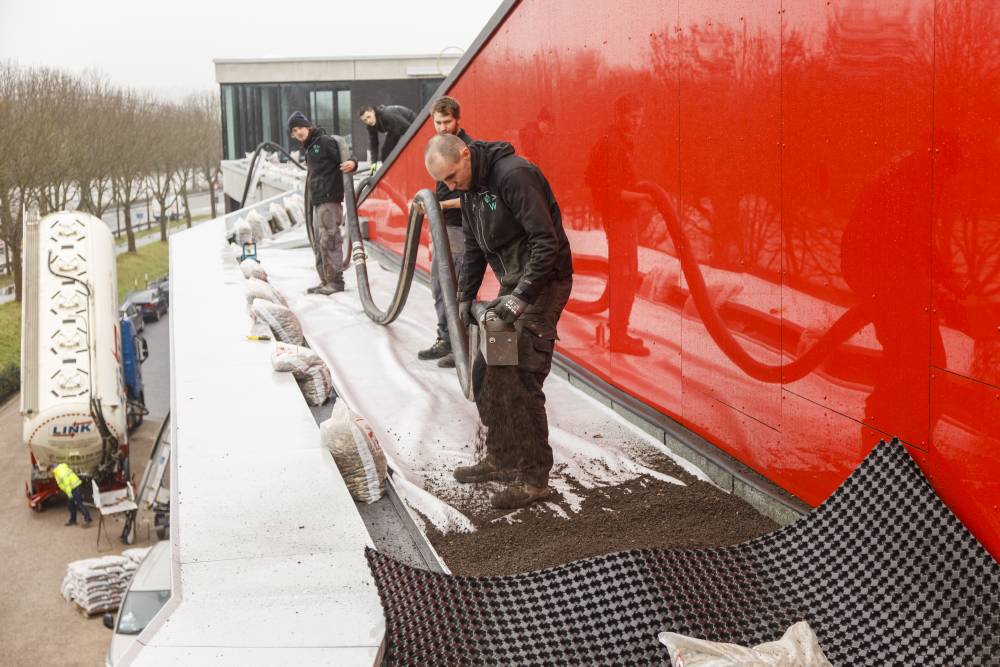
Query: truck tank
[{"x": 71, "y": 378}]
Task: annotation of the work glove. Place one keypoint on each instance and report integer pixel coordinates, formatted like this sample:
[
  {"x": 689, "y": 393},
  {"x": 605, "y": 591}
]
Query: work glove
[
  {"x": 375, "y": 167},
  {"x": 509, "y": 308},
  {"x": 465, "y": 312}
]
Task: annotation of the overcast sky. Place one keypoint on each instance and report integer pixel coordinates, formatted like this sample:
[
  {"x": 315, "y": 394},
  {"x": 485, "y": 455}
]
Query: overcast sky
[{"x": 167, "y": 46}]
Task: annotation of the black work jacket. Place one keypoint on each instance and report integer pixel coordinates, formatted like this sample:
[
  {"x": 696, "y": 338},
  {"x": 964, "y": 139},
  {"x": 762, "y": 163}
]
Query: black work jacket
[
  {"x": 394, "y": 120},
  {"x": 323, "y": 158},
  {"x": 452, "y": 216},
  {"x": 512, "y": 222}
]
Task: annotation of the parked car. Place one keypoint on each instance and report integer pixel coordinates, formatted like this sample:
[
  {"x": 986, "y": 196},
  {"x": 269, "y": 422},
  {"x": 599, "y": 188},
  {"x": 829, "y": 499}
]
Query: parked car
[
  {"x": 151, "y": 303},
  {"x": 133, "y": 313},
  {"x": 162, "y": 287},
  {"x": 148, "y": 591}
]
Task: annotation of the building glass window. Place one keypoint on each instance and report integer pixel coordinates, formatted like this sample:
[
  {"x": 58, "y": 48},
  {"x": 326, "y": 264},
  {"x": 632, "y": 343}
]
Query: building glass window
[
  {"x": 229, "y": 111},
  {"x": 321, "y": 102},
  {"x": 344, "y": 115}
]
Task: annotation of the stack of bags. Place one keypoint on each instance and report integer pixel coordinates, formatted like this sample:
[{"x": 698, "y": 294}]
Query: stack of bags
[
  {"x": 98, "y": 584},
  {"x": 267, "y": 307}
]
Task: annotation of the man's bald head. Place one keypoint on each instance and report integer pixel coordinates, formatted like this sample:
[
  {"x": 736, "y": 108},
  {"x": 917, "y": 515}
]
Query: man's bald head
[{"x": 449, "y": 161}]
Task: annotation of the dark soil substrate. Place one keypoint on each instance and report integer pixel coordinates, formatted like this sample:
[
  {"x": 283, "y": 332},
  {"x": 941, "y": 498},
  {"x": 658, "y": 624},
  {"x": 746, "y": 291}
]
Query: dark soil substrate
[{"x": 640, "y": 513}]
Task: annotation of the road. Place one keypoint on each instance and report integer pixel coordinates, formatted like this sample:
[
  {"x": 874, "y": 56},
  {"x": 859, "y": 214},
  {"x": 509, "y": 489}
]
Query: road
[
  {"x": 156, "y": 369},
  {"x": 200, "y": 205},
  {"x": 37, "y": 626}
]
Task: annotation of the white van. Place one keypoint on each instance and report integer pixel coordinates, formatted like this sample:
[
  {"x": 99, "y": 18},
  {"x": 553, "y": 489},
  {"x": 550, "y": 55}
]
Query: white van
[{"x": 148, "y": 591}]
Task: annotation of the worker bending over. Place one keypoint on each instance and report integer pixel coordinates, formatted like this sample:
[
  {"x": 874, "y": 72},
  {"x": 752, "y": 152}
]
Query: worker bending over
[
  {"x": 71, "y": 485},
  {"x": 447, "y": 113},
  {"x": 325, "y": 164},
  {"x": 512, "y": 222},
  {"x": 394, "y": 120}
]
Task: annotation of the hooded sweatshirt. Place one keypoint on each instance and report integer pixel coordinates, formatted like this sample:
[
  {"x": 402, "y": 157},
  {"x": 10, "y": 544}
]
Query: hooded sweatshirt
[
  {"x": 326, "y": 181},
  {"x": 512, "y": 222},
  {"x": 394, "y": 120}
]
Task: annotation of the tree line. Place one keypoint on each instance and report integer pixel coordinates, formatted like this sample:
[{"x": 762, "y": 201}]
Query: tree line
[{"x": 75, "y": 141}]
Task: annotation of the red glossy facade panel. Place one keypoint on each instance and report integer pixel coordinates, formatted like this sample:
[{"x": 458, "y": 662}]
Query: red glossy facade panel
[
  {"x": 822, "y": 158},
  {"x": 966, "y": 265},
  {"x": 964, "y": 461},
  {"x": 730, "y": 178},
  {"x": 856, "y": 205}
]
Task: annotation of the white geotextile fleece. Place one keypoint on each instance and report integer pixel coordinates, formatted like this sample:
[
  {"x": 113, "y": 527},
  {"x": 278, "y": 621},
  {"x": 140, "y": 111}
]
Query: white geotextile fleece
[{"x": 423, "y": 422}]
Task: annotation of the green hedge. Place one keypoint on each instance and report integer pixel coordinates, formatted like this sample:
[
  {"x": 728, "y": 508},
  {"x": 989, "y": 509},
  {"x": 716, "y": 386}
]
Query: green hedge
[{"x": 10, "y": 381}]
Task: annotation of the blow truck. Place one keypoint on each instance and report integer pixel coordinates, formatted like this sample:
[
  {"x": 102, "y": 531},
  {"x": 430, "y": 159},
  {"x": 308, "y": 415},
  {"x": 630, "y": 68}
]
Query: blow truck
[{"x": 75, "y": 397}]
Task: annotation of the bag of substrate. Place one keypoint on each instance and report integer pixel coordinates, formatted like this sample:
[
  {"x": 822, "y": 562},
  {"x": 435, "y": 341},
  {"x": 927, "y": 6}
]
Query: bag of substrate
[
  {"x": 356, "y": 451},
  {"x": 316, "y": 384},
  {"x": 242, "y": 231},
  {"x": 258, "y": 223},
  {"x": 280, "y": 216},
  {"x": 251, "y": 268},
  {"x": 798, "y": 647},
  {"x": 296, "y": 207},
  {"x": 309, "y": 370},
  {"x": 258, "y": 289},
  {"x": 282, "y": 321},
  {"x": 294, "y": 359}
]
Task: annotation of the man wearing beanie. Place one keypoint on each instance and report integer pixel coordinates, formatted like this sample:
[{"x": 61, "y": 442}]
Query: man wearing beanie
[{"x": 325, "y": 166}]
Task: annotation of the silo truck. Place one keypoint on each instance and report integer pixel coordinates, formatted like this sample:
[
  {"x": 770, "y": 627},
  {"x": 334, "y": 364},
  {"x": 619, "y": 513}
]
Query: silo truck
[{"x": 74, "y": 398}]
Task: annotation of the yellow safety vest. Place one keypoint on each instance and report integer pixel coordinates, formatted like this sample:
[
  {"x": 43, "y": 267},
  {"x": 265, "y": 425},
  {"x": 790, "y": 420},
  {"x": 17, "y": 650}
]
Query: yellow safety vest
[{"x": 66, "y": 478}]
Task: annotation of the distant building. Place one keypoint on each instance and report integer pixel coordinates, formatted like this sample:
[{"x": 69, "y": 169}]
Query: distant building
[{"x": 259, "y": 94}]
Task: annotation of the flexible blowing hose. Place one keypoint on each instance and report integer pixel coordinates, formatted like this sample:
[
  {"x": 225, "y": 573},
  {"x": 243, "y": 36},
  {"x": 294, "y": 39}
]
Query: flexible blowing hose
[
  {"x": 846, "y": 325},
  {"x": 442, "y": 266},
  {"x": 253, "y": 163}
]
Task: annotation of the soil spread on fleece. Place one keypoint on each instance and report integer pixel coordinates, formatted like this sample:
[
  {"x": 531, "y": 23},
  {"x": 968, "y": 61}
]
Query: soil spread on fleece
[{"x": 637, "y": 514}]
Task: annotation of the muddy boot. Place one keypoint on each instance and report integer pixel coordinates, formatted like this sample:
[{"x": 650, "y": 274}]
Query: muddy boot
[
  {"x": 439, "y": 349},
  {"x": 332, "y": 288},
  {"x": 70, "y": 522},
  {"x": 313, "y": 290},
  {"x": 447, "y": 361},
  {"x": 484, "y": 471},
  {"x": 519, "y": 495}
]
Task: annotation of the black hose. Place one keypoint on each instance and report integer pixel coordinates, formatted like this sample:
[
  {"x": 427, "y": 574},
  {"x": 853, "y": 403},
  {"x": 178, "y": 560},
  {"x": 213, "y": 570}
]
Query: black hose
[
  {"x": 443, "y": 266},
  {"x": 253, "y": 163}
]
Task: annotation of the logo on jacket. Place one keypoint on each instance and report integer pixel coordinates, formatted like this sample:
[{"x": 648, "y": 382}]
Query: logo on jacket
[
  {"x": 490, "y": 200},
  {"x": 316, "y": 150}
]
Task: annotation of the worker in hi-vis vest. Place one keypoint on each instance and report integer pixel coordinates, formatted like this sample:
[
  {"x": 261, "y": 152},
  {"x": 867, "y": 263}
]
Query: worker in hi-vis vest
[{"x": 72, "y": 487}]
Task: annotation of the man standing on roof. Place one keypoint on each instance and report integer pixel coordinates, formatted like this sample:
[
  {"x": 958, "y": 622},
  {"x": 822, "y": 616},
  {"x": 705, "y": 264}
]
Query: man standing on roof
[
  {"x": 511, "y": 222},
  {"x": 71, "y": 485},
  {"x": 394, "y": 120},
  {"x": 326, "y": 191},
  {"x": 447, "y": 113}
]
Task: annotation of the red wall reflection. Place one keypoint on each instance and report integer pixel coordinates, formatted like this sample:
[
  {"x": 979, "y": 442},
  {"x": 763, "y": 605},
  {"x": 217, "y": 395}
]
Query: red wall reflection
[{"x": 823, "y": 161}]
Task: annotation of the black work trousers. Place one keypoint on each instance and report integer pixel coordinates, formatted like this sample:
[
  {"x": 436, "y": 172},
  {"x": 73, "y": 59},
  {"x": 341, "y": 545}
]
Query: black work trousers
[{"x": 531, "y": 455}]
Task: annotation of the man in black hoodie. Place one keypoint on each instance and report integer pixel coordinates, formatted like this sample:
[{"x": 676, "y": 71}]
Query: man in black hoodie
[
  {"x": 512, "y": 223},
  {"x": 325, "y": 181},
  {"x": 447, "y": 113},
  {"x": 394, "y": 120}
]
